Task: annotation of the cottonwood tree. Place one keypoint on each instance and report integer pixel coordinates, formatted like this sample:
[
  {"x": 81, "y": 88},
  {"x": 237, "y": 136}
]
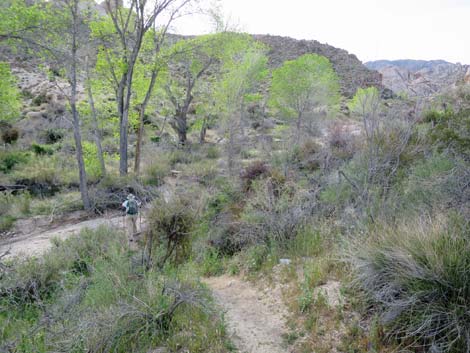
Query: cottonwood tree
[
  {"x": 70, "y": 38},
  {"x": 153, "y": 62},
  {"x": 56, "y": 31},
  {"x": 302, "y": 86},
  {"x": 241, "y": 74},
  {"x": 191, "y": 59},
  {"x": 122, "y": 35}
]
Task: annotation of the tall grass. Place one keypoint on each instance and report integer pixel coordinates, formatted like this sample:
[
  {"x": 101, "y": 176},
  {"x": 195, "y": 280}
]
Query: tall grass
[{"x": 417, "y": 277}]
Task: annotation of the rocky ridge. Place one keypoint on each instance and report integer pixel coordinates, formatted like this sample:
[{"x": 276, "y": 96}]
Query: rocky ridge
[
  {"x": 352, "y": 73},
  {"x": 420, "y": 78}
]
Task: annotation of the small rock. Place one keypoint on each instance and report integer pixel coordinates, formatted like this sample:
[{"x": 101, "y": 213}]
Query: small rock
[{"x": 285, "y": 261}]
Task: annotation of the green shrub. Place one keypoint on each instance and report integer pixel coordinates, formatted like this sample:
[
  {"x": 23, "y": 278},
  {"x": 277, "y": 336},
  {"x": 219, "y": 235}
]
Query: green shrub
[
  {"x": 417, "y": 277},
  {"x": 52, "y": 135},
  {"x": 6, "y": 223},
  {"x": 92, "y": 163},
  {"x": 451, "y": 130},
  {"x": 212, "y": 152},
  {"x": 9, "y": 159},
  {"x": 41, "y": 150},
  {"x": 90, "y": 294},
  {"x": 40, "y": 170},
  {"x": 40, "y": 99}
]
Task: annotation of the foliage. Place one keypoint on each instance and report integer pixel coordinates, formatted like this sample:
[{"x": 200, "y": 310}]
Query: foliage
[
  {"x": 302, "y": 85},
  {"x": 365, "y": 102},
  {"x": 156, "y": 170},
  {"x": 92, "y": 163},
  {"x": 10, "y": 135},
  {"x": 450, "y": 130},
  {"x": 8, "y": 160},
  {"x": 89, "y": 293},
  {"x": 416, "y": 278},
  {"x": 170, "y": 227},
  {"x": 41, "y": 150},
  {"x": 9, "y": 95},
  {"x": 255, "y": 170}
]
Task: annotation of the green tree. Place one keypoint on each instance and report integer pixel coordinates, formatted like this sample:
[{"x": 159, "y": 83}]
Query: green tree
[
  {"x": 9, "y": 94},
  {"x": 242, "y": 71},
  {"x": 122, "y": 34},
  {"x": 303, "y": 86}
]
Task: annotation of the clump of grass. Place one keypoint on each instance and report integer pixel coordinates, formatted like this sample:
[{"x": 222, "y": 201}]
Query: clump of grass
[
  {"x": 417, "y": 279},
  {"x": 156, "y": 170}
]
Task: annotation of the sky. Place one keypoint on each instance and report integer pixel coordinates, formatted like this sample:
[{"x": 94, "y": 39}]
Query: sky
[{"x": 370, "y": 29}]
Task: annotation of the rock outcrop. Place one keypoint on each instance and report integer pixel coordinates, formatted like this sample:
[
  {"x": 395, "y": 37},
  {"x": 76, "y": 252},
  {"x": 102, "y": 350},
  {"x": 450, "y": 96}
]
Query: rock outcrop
[
  {"x": 352, "y": 73},
  {"x": 420, "y": 78}
]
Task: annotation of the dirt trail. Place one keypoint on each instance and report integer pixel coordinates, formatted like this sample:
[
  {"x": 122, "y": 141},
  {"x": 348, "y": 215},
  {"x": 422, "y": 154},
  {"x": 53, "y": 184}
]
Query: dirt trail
[
  {"x": 255, "y": 320},
  {"x": 38, "y": 242}
]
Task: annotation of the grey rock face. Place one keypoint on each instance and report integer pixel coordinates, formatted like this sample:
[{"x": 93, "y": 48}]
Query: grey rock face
[{"x": 419, "y": 78}]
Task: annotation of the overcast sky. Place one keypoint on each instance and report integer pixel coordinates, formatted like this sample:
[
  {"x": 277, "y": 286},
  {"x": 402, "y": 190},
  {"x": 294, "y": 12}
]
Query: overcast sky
[{"x": 370, "y": 29}]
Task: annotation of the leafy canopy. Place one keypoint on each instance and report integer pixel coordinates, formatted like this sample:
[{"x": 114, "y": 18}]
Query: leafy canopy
[
  {"x": 301, "y": 85},
  {"x": 9, "y": 94}
]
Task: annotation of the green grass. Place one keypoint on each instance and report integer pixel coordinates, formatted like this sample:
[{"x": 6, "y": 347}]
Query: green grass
[{"x": 91, "y": 293}]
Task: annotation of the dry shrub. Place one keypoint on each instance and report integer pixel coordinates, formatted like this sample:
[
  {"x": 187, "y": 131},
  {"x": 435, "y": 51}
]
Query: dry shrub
[
  {"x": 341, "y": 141},
  {"x": 276, "y": 213},
  {"x": 169, "y": 228},
  {"x": 10, "y": 135},
  {"x": 256, "y": 170},
  {"x": 111, "y": 192}
]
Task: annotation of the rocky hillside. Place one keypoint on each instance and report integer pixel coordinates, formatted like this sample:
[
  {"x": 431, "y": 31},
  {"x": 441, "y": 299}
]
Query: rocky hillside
[
  {"x": 351, "y": 71},
  {"x": 420, "y": 78}
]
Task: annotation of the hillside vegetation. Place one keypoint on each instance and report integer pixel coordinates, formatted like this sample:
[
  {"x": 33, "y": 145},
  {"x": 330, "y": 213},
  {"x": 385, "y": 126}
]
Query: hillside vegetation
[{"x": 286, "y": 170}]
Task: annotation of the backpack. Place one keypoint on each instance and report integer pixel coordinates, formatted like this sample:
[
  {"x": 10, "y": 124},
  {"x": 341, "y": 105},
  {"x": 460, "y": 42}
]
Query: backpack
[{"x": 132, "y": 207}]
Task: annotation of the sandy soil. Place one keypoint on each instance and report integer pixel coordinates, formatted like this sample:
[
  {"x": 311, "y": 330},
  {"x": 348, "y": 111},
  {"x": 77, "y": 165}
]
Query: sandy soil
[
  {"x": 37, "y": 242},
  {"x": 256, "y": 320}
]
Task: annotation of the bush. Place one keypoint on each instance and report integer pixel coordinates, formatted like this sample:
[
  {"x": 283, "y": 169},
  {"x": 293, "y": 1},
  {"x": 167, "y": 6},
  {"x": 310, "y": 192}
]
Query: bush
[
  {"x": 41, "y": 150},
  {"x": 417, "y": 279},
  {"x": 212, "y": 152},
  {"x": 111, "y": 192},
  {"x": 6, "y": 223},
  {"x": 255, "y": 170},
  {"x": 8, "y": 160},
  {"x": 156, "y": 170},
  {"x": 10, "y": 135},
  {"x": 275, "y": 214},
  {"x": 169, "y": 229},
  {"x": 90, "y": 294},
  {"x": 450, "y": 130},
  {"x": 52, "y": 135}
]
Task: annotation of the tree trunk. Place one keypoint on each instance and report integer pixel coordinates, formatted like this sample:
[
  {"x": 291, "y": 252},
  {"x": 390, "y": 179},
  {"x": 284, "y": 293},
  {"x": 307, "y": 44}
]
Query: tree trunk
[
  {"x": 140, "y": 131},
  {"x": 202, "y": 134},
  {"x": 299, "y": 125},
  {"x": 75, "y": 117}
]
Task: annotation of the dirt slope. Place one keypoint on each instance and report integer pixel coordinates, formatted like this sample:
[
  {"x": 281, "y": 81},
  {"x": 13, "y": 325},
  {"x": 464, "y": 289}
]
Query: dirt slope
[{"x": 255, "y": 320}]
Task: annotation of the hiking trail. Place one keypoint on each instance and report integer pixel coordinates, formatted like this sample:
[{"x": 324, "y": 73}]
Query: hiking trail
[
  {"x": 38, "y": 241},
  {"x": 255, "y": 319}
]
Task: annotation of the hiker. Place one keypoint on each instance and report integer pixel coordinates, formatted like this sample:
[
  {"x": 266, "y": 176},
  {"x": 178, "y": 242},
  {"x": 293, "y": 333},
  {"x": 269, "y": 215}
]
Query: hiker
[{"x": 132, "y": 212}]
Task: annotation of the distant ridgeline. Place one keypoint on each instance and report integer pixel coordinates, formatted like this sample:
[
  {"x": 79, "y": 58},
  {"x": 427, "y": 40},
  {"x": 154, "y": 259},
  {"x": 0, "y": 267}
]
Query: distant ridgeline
[
  {"x": 420, "y": 78},
  {"x": 352, "y": 73}
]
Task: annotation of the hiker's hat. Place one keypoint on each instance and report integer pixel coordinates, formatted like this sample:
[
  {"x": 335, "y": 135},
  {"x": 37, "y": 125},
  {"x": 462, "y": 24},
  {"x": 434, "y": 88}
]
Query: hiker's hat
[{"x": 130, "y": 197}]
